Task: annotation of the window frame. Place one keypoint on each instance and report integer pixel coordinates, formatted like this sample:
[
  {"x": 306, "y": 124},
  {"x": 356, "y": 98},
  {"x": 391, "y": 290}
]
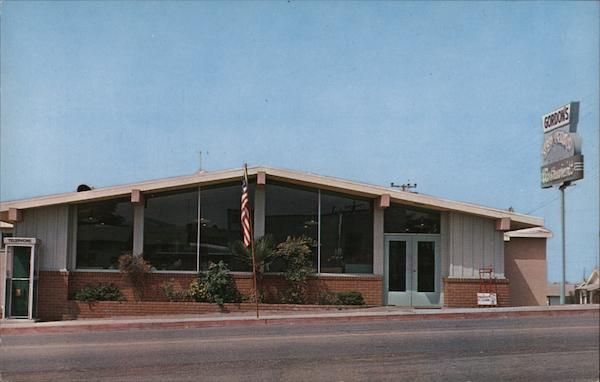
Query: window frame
[{"x": 138, "y": 230}]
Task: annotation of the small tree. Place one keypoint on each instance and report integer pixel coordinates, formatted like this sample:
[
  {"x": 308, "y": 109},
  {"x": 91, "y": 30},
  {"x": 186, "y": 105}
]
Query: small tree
[
  {"x": 295, "y": 253},
  {"x": 264, "y": 251},
  {"x": 136, "y": 269}
]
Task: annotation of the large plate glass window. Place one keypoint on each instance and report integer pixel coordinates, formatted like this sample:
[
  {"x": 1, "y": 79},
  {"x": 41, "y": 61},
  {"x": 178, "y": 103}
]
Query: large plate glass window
[
  {"x": 171, "y": 230},
  {"x": 292, "y": 211},
  {"x": 220, "y": 224},
  {"x": 346, "y": 234},
  {"x": 104, "y": 232}
]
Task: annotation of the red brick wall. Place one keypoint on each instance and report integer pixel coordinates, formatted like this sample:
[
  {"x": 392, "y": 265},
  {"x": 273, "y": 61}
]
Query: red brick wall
[
  {"x": 370, "y": 286},
  {"x": 56, "y": 287},
  {"x": 52, "y": 289},
  {"x": 462, "y": 293}
]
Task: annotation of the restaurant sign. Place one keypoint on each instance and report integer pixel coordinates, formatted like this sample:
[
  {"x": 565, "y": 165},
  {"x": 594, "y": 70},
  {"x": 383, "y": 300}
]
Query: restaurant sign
[
  {"x": 566, "y": 115},
  {"x": 561, "y": 151},
  {"x": 565, "y": 170},
  {"x": 560, "y": 145}
]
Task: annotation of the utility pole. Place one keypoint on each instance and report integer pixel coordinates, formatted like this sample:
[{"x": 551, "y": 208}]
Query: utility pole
[{"x": 563, "y": 241}]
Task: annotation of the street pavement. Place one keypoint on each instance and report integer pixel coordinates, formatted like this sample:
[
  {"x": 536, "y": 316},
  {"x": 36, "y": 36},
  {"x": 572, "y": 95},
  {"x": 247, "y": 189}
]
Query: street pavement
[{"x": 561, "y": 348}]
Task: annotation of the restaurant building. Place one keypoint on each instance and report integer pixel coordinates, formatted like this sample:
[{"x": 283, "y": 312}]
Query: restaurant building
[{"x": 394, "y": 247}]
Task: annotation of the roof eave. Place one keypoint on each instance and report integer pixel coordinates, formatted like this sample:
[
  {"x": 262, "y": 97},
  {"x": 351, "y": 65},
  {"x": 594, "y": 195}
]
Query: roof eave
[{"x": 308, "y": 179}]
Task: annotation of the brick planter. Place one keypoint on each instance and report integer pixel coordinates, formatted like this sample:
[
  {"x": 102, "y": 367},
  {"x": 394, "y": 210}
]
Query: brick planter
[
  {"x": 462, "y": 293},
  {"x": 103, "y": 309},
  {"x": 56, "y": 287},
  {"x": 370, "y": 286}
]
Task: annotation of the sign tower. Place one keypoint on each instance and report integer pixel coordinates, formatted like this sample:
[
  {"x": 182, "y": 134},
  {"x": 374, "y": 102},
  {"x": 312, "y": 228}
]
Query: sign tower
[{"x": 562, "y": 162}]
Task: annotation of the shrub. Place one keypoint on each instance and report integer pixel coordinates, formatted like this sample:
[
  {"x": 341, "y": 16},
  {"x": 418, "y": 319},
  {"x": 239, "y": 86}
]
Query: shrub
[
  {"x": 215, "y": 285},
  {"x": 264, "y": 251},
  {"x": 99, "y": 292},
  {"x": 349, "y": 298},
  {"x": 170, "y": 291},
  {"x": 295, "y": 253},
  {"x": 136, "y": 269},
  {"x": 327, "y": 298}
]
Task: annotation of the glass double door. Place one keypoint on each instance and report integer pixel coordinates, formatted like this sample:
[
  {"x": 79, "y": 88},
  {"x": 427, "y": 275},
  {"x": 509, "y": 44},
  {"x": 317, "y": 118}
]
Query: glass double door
[{"x": 412, "y": 270}]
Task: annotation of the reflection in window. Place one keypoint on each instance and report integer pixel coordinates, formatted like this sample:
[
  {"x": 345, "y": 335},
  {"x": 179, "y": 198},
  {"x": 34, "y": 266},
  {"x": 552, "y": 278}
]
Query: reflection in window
[
  {"x": 171, "y": 230},
  {"x": 220, "y": 224},
  {"x": 292, "y": 211},
  {"x": 397, "y": 266},
  {"x": 346, "y": 234},
  {"x": 404, "y": 219},
  {"x": 104, "y": 232},
  {"x": 426, "y": 266}
]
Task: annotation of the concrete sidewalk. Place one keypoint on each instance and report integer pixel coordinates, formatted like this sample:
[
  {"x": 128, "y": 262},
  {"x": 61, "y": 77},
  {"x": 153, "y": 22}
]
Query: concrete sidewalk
[{"x": 296, "y": 317}]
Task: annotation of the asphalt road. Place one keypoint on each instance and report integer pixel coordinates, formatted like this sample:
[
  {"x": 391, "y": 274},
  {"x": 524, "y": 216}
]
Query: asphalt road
[{"x": 510, "y": 349}]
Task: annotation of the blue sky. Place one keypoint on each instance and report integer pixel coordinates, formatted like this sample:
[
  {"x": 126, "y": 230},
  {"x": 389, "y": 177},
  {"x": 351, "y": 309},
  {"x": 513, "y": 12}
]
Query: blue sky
[{"x": 447, "y": 95}]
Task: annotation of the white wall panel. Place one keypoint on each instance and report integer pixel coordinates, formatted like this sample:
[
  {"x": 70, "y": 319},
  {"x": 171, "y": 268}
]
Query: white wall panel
[
  {"x": 51, "y": 226},
  {"x": 474, "y": 243}
]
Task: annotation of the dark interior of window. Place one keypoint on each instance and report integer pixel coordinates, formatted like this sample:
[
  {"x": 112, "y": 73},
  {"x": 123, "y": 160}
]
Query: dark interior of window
[
  {"x": 104, "y": 232},
  {"x": 346, "y": 234},
  {"x": 171, "y": 230},
  {"x": 405, "y": 219},
  {"x": 292, "y": 211},
  {"x": 220, "y": 224}
]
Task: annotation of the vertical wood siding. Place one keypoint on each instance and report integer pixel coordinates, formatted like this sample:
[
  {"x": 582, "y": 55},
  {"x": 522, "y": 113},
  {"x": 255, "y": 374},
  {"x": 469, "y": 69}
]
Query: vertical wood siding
[
  {"x": 473, "y": 243},
  {"x": 50, "y": 225},
  {"x": 445, "y": 259}
]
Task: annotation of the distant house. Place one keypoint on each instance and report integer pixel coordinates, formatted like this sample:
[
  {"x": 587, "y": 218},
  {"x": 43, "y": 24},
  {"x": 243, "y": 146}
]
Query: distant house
[
  {"x": 589, "y": 290},
  {"x": 553, "y": 294}
]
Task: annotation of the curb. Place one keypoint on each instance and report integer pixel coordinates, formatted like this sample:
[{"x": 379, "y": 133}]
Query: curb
[{"x": 203, "y": 323}]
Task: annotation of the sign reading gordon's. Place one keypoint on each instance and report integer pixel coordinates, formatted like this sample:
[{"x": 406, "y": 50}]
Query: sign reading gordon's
[
  {"x": 561, "y": 151},
  {"x": 563, "y": 116}
]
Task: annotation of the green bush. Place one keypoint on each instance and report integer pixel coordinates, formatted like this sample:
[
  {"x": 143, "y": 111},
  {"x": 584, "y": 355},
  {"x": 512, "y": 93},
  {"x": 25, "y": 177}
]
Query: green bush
[
  {"x": 264, "y": 251},
  {"x": 99, "y": 292},
  {"x": 295, "y": 253},
  {"x": 349, "y": 298},
  {"x": 215, "y": 285}
]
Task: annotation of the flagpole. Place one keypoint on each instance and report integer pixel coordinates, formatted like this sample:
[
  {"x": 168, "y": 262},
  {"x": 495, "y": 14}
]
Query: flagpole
[{"x": 252, "y": 245}]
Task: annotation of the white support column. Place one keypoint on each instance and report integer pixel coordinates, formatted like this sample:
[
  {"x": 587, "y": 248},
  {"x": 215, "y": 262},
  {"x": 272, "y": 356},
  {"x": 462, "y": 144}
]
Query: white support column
[
  {"x": 259, "y": 211},
  {"x": 378, "y": 249},
  {"x": 138, "y": 229}
]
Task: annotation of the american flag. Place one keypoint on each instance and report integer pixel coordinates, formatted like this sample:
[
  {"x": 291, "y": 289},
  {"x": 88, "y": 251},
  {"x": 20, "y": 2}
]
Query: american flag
[{"x": 245, "y": 215}]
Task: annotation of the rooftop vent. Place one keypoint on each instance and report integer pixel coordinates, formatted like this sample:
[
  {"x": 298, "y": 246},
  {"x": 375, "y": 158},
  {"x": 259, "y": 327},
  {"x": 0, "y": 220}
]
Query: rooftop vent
[{"x": 83, "y": 187}]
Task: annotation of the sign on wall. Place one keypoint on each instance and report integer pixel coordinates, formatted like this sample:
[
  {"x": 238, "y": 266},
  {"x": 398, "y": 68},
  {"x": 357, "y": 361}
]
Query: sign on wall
[
  {"x": 567, "y": 115},
  {"x": 20, "y": 240},
  {"x": 561, "y": 151}
]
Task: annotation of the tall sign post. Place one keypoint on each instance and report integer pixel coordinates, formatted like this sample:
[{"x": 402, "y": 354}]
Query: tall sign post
[{"x": 562, "y": 163}]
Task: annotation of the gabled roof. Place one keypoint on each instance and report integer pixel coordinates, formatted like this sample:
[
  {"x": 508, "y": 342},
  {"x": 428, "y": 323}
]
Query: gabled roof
[
  {"x": 592, "y": 282},
  {"x": 301, "y": 178}
]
